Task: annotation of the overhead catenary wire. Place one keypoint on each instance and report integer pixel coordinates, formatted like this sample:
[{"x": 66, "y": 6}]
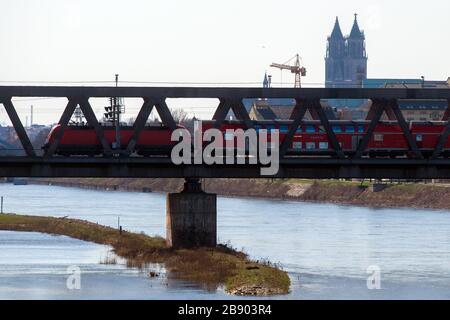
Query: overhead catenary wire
[
  {"x": 59, "y": 102},
  {"x": 144, "y": 82}
]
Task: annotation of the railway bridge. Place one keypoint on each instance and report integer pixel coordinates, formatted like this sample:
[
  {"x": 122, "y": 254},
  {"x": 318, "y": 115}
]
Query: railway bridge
[{"x": 191, "y": 214}]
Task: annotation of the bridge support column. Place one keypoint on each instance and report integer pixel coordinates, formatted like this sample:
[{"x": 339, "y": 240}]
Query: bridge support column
[{"x": 191, "y": 218}]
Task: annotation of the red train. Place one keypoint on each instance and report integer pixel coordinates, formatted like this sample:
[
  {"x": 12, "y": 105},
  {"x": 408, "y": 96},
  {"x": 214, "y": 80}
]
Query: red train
[
  {"x": 82, "y": 140},
  {"x": 388, "y": 139},
  {"x": 310, "y": 138}
]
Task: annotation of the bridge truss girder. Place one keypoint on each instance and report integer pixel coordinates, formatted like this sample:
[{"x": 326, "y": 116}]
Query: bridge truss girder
[{"x": 383, "y": 100}]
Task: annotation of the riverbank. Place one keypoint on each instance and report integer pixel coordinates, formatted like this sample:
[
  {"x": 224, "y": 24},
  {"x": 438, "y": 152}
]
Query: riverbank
[
  {"x": 210, "y": 268},
  {"x": 405, "y": 195}
]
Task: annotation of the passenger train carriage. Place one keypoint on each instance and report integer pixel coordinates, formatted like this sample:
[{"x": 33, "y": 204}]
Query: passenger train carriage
[
  {"x": 310, "y": 138},
  {"x": 387, "y": 140}
]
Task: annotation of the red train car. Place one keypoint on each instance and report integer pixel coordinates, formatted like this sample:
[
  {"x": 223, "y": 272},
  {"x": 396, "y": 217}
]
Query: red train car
[
  {"x": 82, "y": 140},
  {"x": 310, "y": 138},
  {"x": 388, "y": 139}
]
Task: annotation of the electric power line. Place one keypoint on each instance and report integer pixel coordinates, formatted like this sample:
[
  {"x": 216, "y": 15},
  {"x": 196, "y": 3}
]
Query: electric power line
[{"x": 150, "y": 82}]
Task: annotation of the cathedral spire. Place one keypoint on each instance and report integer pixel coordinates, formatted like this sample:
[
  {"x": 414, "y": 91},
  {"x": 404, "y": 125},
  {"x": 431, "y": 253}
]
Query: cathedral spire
[
  {"x": 266, "y": 81},
  {"x": 337, "y": 33},
  {"x": 346, "y": 58},
  {"x": 356, "y": 32}
]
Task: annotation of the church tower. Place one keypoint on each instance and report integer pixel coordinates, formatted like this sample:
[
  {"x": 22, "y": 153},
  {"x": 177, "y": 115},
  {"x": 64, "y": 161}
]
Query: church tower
[
  {"x": 356, "y": 60},
  {"x": 346, "y": 58},
  {"x": 334, "y": 60}
]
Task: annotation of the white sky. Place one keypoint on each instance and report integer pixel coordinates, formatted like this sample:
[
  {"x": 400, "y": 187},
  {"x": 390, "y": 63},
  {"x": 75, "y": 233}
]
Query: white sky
[{"x": 209, "y": 41}]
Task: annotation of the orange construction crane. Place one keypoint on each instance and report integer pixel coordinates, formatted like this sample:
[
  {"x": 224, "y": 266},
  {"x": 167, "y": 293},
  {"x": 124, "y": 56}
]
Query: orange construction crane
[{"x": 297, "y": 69}]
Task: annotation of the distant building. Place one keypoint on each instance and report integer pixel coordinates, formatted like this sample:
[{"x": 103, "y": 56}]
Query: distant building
[
  {"x": 419, "y": 110},
  {"x": 415, "y": 110},
  {"x": 346, "y": 58},
  {"x": 268, "y": 109},
  {"x": 280, "y": 109},
  {"x": 358, "y": 112},
  {"x": 248, "y": 103},
  {"x": 346, "y": 65},
  {"x": 275, "y": 108}
]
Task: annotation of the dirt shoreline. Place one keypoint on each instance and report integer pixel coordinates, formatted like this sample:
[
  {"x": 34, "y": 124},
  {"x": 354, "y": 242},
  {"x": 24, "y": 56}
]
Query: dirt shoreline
[{"x": 417, "y": 196}]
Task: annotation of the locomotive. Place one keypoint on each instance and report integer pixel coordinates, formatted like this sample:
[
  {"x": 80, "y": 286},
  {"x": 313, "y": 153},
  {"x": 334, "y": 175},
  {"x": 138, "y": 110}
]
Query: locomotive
[
  {"x": 310, "y": 138},
  {"x": 82, "y": 140}
]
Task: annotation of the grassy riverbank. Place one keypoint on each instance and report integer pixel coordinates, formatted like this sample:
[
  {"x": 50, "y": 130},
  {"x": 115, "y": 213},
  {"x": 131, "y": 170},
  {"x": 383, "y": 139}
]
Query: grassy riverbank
[
  {"x": 406, "y": 195},
  {"x": 210, "y": 268}
]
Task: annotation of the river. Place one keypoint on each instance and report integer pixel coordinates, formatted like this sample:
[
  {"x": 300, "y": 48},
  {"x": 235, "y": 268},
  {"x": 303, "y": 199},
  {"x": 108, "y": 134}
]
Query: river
[{"x": 327, "y": 249}]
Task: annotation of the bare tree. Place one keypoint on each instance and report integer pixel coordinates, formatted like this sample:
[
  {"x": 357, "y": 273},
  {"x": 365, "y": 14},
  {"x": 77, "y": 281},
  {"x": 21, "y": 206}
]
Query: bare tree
[{"x": 179, "y": 115}]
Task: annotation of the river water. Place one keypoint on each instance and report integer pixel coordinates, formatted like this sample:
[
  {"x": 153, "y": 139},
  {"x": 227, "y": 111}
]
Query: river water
[{"x": 328, "y": 250}]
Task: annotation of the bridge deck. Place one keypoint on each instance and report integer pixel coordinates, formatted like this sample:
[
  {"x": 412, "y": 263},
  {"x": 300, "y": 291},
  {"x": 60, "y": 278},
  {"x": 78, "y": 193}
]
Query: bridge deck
[{"x": 323, "y": 168}]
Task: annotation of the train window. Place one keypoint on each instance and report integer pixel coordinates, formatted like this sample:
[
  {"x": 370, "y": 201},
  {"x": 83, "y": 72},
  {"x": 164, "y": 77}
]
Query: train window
[
  {"x": 349, "y": 129},
  {"x": 299, "y": 130},
  {"x": 419, "y": 138},
  {"x": 379, "y": 137},
  {"x": 361, "y": 129},
  {"x": 284, "y": 129},
  {"x": 310, "y": 145},
  {"x": 297, "y": 145},
  {"x": 323, "y": 145},
  {"x": 310, "y": 129},
  {"x": 337, "y": 129}
]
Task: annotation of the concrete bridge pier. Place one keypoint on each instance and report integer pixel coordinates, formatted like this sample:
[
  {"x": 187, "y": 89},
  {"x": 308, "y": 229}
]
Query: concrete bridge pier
[{"x": 191, "y": 218}]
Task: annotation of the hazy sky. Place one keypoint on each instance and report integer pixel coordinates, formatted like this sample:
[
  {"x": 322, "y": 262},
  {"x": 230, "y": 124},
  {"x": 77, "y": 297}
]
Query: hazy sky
[{"x": 211, "y": 41}]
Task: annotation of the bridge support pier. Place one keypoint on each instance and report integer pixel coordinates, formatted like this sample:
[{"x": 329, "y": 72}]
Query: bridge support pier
[{"x": 191, "y": 218}]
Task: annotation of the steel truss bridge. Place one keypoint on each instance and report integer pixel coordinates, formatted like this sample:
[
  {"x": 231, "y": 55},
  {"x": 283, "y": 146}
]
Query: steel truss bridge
[{"x": 128, "y": 165}]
